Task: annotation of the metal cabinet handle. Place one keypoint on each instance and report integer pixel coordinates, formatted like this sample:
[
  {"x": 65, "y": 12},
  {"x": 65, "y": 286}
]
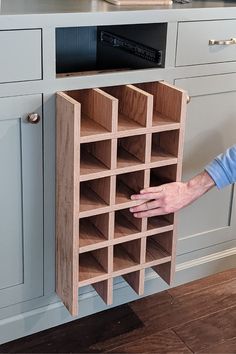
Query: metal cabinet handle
[
  {"x": 33, "y": 118},
  {"x": 222, "y": 41}
]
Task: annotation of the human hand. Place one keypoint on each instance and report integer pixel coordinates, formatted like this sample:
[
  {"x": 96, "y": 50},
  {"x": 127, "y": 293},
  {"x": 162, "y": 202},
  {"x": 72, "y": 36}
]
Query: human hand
[
  {"x": 164, "y": 199},
  {"x": 170, "y": 197}
]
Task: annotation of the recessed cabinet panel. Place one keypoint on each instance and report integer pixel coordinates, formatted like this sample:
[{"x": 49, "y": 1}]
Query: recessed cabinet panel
[
  {"x": 21, "y": 200},
  {"x": 98, "y": 238},
  {"x": 20, "y": 58},
  {"x": 210, "y": 129},
  {"x": 11, "y": 249}
]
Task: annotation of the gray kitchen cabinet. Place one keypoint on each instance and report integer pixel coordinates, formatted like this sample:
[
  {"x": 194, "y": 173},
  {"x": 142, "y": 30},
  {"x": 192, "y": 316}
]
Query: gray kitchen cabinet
[
  {"x": 36, "y": 38},
  {"x": 21, "y": 200},
  {"x": 210, "y": 130}
]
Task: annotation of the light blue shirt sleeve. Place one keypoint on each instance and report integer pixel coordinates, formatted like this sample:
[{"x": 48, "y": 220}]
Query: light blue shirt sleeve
[{"x": 223, "y": 168}]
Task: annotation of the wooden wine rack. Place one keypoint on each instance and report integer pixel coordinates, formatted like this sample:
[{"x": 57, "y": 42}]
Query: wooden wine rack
[{"x": 111, "y": 143}]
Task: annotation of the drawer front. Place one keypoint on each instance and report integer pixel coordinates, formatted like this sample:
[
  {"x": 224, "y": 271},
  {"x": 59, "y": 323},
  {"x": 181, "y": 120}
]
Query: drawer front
[
  {"x": 20, "y": 58},
  {"x": 193, "y": 42}
]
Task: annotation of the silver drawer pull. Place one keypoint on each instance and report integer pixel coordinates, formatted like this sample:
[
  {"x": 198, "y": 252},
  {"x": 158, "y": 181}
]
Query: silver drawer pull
[{"x": 222, "y": 41}]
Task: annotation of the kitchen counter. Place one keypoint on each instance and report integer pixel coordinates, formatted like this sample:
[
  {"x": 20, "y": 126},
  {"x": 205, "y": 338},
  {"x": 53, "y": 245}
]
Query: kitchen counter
[{"x": 71, "y": 12}]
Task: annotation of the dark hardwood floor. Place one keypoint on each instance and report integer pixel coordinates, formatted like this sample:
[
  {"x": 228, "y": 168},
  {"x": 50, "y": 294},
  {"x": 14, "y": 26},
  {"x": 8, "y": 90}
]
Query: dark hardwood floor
[{"x": 199, "y": 317}]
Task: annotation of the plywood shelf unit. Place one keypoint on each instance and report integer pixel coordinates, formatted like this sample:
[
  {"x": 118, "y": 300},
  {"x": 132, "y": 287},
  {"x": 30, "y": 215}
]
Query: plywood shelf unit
[{"x": 111, "y": 143}]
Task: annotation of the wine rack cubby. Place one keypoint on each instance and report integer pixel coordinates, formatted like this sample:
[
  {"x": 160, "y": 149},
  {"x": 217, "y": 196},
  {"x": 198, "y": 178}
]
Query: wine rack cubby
[{"x": 111, "y": 143}]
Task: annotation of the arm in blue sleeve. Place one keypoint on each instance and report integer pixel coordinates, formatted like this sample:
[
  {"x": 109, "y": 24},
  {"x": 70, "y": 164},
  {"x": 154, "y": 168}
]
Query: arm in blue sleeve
[{"x": 223, "y": 168}]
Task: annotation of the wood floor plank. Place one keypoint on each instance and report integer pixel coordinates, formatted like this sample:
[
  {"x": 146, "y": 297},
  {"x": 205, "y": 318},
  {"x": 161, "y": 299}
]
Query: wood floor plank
[
  {"x": 185, "y": 308},
  {"x": 77, "y": 336},
  {"x": 160, "y": 311},
  {"x": 163, "y": 299},
  {"x": 161, "y": 342},
  {"x": 199, "y": 317},
  {"x": 204, "y": 283},
  {"x": 226, "y": 347},
  {"x": 215, "y": 329}
]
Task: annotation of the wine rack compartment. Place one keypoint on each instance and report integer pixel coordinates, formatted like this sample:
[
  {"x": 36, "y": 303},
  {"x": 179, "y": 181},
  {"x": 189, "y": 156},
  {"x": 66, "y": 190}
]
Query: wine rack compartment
[
  {"x": 128, "y": 184},
  {"x": 165, "y": 146},
  {"x": 93, "y": 231},
  {"x": 95, "y": 194},
  {"x": 131, "y": 151},
  {"x": 111, "y": 143}
]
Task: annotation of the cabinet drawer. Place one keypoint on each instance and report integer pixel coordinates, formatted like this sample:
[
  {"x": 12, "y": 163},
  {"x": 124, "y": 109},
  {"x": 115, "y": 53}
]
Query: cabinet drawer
[
  {"x": 20, "y": 58},
  {"x": 193, "y": 42}
]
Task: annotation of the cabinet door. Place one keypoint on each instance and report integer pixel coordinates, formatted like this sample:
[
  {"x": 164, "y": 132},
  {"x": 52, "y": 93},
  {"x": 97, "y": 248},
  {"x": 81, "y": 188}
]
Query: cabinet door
[
  {"x": 21, "y": 200},
  {"x": 210, "y": 129}
]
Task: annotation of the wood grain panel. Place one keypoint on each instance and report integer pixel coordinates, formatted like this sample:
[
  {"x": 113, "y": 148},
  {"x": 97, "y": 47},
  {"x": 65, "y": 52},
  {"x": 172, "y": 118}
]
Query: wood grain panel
[{"x": 67, "y": 199}]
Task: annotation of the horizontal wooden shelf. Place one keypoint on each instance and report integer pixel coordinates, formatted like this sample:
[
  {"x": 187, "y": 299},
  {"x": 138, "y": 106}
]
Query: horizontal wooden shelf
[{"x": 163, "y": 156}]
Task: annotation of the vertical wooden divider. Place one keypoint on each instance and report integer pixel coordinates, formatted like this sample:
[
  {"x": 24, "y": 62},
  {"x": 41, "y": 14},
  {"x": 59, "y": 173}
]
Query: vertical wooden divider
[
  {"x": 105, "y": 109},
  {"x": 148, "y": 150},
  {"x": 67, "y": 199},
  {"x": 180, "y": 114},
  {"x": 113, "y": 154},
  {"x": 111, "y": 225}
]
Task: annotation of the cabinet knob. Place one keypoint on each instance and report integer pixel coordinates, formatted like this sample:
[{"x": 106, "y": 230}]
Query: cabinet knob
[
  {"x": 188, "y": 99},
  {"x": 33, "y": 118}
]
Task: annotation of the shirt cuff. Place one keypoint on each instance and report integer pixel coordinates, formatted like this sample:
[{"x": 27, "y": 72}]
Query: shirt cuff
[{"x": 217, "y": 173}]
